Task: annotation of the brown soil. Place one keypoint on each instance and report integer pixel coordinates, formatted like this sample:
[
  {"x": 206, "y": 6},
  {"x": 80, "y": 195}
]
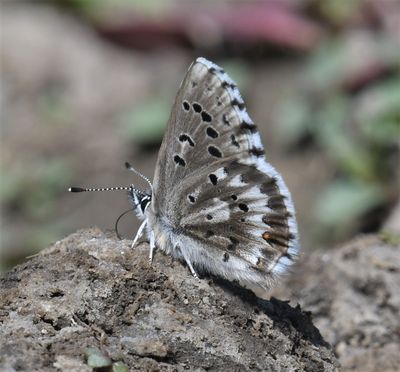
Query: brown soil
[
  {"x": 92, "y": 291},
  {"x": 353, "y": 293}
]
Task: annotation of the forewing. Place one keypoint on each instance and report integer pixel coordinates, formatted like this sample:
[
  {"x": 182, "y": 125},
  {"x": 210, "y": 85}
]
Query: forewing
[{"x": 212, "y": 182}]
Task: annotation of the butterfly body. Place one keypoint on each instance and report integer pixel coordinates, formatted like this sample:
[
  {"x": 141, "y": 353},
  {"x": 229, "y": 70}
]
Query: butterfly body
[{"x": 215, "y": 202}]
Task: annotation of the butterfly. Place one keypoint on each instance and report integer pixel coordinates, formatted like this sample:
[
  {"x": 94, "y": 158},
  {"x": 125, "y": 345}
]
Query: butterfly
[{"x": 215, "y": 202}]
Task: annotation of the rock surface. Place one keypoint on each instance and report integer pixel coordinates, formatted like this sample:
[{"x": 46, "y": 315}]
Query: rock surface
[
  {"x": 353, "y": 293},
  {"x": 92, "y": 291}
]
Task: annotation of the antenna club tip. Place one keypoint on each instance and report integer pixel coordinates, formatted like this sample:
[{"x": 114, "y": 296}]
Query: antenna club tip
[
  {"x": 76, "y": 189},
  {"x": 127, "y": 165}
]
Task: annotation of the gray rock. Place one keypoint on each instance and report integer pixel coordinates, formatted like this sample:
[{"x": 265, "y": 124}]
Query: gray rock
[
  {"x": 92, "y": 291},
  {"x": 353, "y": 292}
]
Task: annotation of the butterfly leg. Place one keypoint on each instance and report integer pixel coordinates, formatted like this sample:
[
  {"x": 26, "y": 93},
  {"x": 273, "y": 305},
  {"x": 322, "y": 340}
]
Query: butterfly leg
[
  {"x": 187, "y": 262},
  {"x": 192, "y": 270},
  {"x": 152, "y": 246},
  {"x": 139, "y": 233}
]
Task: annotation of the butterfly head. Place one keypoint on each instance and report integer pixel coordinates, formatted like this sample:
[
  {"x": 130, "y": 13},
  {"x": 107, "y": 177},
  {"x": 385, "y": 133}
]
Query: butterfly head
[{"x": 140, "y": 200}]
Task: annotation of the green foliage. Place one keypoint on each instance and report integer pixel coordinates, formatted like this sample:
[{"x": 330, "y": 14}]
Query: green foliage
[
  {"x": 146, "y": 124},
  {"x": 390, "y": 237},
  {"x": 341, "y": 205},
  {"x": 97, "y": 8},
  {"x": 34, "y": 194},
  {"x": 354, "y": 119}
]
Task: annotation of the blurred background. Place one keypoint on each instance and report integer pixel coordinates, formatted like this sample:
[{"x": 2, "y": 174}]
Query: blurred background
[{"x": 87, "y": 85}]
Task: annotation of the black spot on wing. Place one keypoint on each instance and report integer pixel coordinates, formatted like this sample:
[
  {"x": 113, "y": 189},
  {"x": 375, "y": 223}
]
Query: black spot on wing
[
  {"x": 205, "y": 116},
  {"x": 213, "y": 178},
  {"x": 246, "y": 127},
  {"x": 226, "y": 84},
  {"x": 184, "y": 137},
  {"x": 196, "y": 107},
  {"x": 211, "y": 132},
  {"x": 237, "y": 103},
  {"x": 186, "y": 105},
  {"x": 257, "y": 151},
  {"x": 214, "y": 151},
  {"x": 243, "y": 207},
  {"x": 180, "y": 161},
  {"x": 234, "y": 142},
  {"x": 225, "y": 120}
]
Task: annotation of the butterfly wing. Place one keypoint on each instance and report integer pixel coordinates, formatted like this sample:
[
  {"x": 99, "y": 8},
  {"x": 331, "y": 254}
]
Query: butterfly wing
[{"x": 214, "y": 194}]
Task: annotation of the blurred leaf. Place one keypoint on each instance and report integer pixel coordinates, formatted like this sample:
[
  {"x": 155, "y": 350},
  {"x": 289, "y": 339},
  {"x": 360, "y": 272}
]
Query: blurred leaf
[
  {"x": 390, "y": 237},
  {"x": 40, "y": 237},
  {"x": 105, "y": 8},
  {"x": 326, "y": 67},
  {"x": 339, "y": 11},
  {"x": 350, "y": 155},
  {"x": 16, "y": 245},
  {"x": 146, "y": 125},
  {"x": 52, "y": 106},
  {"x": 35, "y": 192},
  {"x": 378, "y": 112},
  {"x": 343, "y": 203},
  {"x": 350, "y": 61},
  {"x": 295, "y": 120}
]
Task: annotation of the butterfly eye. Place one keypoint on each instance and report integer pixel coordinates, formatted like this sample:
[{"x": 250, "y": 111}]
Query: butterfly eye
[{"x": 144, "y": 202}]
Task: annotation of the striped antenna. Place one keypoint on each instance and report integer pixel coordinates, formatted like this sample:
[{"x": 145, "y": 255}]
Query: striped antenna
[
  {"x": 83, "y": 189},
  {"x": 128, "y": 166}
]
